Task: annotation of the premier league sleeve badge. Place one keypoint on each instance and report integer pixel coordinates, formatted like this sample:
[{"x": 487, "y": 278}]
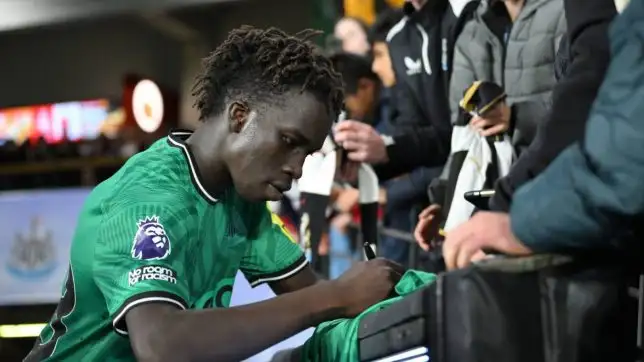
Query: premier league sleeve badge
[{"x": 151, "y": 241}]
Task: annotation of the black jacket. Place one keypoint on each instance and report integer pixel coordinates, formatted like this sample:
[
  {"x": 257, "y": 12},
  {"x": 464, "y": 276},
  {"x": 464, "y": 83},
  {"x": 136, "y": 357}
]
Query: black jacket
[
  {"x": 421, "y": 48},
  {"x": 588, "y": 56}
]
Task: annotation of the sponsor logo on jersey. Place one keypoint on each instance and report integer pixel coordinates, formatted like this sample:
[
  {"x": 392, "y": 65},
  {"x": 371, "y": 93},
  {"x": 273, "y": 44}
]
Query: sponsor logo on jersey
[
  {"x": 152, "y": 272},
  {"x": 151, "y": 241},
  {"x": 32, "y": 253}
]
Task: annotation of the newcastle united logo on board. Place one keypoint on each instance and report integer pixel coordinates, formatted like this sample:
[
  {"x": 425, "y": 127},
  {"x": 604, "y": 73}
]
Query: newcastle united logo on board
[{"x": 32, "y": 254}]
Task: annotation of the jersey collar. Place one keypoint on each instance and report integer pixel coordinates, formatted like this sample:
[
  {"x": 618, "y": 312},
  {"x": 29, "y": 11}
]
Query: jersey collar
[{"x": 177, "y": 138}]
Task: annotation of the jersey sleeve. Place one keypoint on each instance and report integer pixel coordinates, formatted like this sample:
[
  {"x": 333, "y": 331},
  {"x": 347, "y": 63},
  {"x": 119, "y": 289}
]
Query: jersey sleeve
[
  {"x": 273, "y": 254},
  {"x": 141, "y": 257}
]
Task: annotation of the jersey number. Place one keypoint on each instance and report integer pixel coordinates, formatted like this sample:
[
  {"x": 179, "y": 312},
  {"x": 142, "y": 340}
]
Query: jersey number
[{"x": 65, "y": 307}]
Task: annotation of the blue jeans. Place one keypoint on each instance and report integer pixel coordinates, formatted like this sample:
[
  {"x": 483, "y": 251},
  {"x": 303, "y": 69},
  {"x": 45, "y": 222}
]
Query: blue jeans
[
  {"x": 402, "y": 194},
  {"x": 341, "y": 254}
]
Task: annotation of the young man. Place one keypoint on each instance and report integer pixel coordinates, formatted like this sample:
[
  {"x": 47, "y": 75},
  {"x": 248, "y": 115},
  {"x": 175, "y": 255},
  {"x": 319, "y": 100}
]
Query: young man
[
  {"x": 381, "y": 63},
  {"x": 361, "y": 86},
  {"x": 158, "y": 244}
]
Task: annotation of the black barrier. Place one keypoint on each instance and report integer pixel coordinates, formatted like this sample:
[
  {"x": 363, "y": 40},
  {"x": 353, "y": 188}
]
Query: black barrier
[
  {"x": 640, "y": 313},
  {"x": 530, "y": 309}
]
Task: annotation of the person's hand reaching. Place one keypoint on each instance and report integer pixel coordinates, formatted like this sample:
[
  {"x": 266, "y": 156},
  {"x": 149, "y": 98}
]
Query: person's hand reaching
[
  {"x": 366, "y": 284},
  {"x": 361, "y": 142},
  {"x": 428, "y": 226},
  {"x": 485, "y": 230},
  {"x": 494, "y": 121}
]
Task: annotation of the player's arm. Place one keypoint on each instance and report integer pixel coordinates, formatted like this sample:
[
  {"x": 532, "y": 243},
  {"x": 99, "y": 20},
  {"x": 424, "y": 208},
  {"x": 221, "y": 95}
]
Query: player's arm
[
  {"x": 274, "y": 257},
  {"x": 304, "y": 278},
  {"x": 162, "y": 332}
]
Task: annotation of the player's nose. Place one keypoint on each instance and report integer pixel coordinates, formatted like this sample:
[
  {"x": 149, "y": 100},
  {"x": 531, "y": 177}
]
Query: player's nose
[{"x": 294, "y": 169}]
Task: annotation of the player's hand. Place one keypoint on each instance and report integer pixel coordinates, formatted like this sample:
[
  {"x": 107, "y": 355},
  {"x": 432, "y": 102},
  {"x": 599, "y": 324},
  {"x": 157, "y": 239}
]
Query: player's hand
[
  {"x": 366, "y": 284},
  {"x": 494, "y": 121},
  {"x": 426, "y": 230},
  {"x": 485, "y": 230},
  {"x": 361, "y": 141}
]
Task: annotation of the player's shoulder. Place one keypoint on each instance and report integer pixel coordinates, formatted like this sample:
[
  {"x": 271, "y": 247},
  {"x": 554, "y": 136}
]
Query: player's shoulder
[
  {"x": 160, "y": 162},
  {"x": 157, "y": 175}
]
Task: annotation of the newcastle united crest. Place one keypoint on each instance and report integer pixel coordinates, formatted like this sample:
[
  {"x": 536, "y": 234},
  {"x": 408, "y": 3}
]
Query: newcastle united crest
[{"x": 32, "y": 253}]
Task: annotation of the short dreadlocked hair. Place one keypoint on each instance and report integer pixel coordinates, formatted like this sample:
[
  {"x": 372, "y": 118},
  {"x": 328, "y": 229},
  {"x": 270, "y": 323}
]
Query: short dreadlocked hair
[{"x": 260, "y": 64}]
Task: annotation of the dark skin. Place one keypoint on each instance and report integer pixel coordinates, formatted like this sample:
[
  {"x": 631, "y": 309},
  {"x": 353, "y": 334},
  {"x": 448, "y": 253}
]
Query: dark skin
[{"x": 259, "y": 149}]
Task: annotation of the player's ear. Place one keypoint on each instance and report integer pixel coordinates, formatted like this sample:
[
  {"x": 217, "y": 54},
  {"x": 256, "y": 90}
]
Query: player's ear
[{"x": 238, "y": 112}]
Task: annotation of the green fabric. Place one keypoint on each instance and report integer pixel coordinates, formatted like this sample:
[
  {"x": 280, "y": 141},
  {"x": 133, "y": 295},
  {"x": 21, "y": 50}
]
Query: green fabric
[{"x": 337, "y": 340}]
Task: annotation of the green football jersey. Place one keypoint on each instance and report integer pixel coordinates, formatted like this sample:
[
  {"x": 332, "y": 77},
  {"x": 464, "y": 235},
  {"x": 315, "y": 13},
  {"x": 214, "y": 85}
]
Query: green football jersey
[{"x": 153, "y": 234}]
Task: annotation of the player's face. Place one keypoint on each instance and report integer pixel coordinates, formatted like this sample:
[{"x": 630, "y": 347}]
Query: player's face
[{"x": 273, "y": 144}]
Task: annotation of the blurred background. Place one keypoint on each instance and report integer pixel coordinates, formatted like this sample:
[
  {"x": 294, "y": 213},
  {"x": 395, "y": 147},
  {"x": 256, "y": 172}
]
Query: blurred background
[{"x": 86, "y": 84}]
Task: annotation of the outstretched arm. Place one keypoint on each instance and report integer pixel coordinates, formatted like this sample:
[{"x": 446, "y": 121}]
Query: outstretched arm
[
  {"x": 161, "y": 332},
  {"x": 416, "y": 142}
]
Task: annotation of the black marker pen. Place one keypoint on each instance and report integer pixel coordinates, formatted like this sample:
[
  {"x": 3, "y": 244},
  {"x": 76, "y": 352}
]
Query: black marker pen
[{"x": 368, "y": 251}]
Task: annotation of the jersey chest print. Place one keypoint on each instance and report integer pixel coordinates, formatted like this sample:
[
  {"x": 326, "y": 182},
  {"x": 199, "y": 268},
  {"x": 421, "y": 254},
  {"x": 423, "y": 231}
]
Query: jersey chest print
[{"x": 151, "y": 241}]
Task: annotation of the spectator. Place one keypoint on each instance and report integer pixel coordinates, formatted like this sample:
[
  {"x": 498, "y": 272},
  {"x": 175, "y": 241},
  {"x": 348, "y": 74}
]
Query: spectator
[
  {"x": 589, "y": 51},
  {"x": 512, "y": 43},
  {"x": 586, "y": 51},
  {"x": 361, "y": 86},
  {"x": 404, "y": 191},
  {"x": 381, "y": 63},
  {"x": 592, "y": 193},
  {"x": 352, "y": 34},
  {"x": 420, "y": 47}
]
